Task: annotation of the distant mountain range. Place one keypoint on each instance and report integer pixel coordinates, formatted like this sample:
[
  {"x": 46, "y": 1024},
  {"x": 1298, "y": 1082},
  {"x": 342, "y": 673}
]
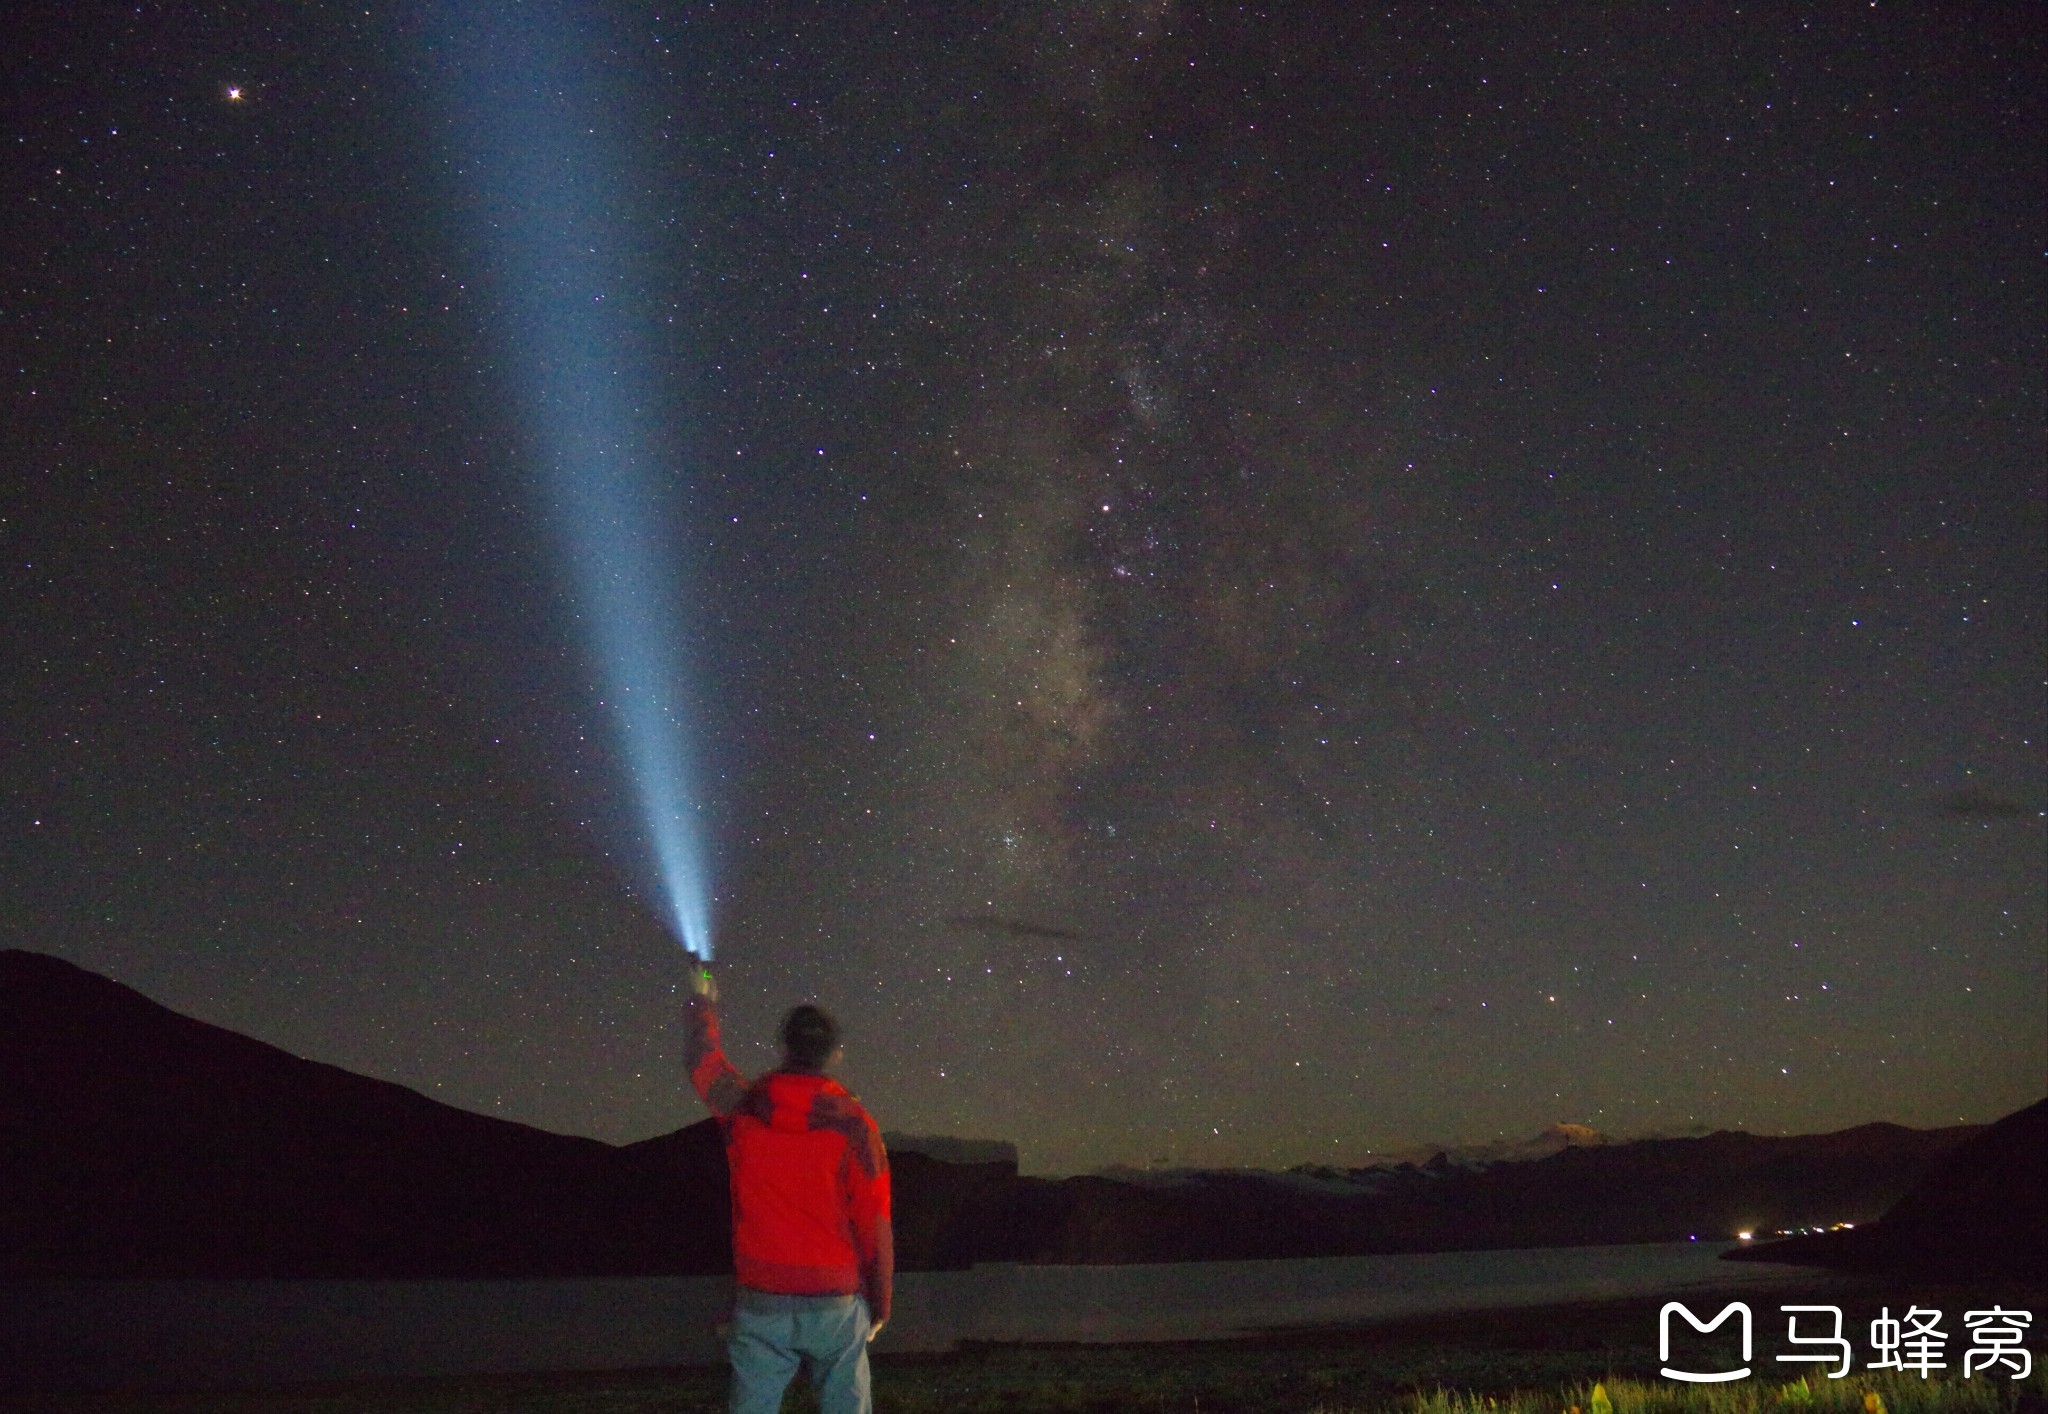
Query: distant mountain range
[
  {"x": 138, "y": 1142},
  {"x": 1552, "y": 1139},
  {"x": 1648, "y": 1191}
]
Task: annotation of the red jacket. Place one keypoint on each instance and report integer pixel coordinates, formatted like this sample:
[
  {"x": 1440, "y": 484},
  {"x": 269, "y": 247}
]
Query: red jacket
[{"x": 810, "y": 1179}]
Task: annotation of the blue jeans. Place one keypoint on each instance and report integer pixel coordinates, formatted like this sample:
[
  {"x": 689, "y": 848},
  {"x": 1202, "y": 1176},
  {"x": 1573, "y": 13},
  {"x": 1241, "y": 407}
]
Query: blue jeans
[{"x": 773, "y": 1335}]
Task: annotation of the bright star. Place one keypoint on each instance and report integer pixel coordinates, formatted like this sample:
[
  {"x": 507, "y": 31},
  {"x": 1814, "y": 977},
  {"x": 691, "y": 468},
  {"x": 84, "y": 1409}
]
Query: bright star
[{"x": 234, "y": 93}]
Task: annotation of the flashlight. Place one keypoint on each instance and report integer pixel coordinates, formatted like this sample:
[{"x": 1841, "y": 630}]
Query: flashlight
[{"x": 700, "y": 977}]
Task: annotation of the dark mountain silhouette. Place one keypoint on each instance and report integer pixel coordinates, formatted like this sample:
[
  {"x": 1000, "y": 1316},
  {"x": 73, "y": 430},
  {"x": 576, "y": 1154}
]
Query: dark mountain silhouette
[
  {"x": 1982, "y": 1211},
  {"x": 138, "y": 1142},
  {"x": 953, "y": 1150}
]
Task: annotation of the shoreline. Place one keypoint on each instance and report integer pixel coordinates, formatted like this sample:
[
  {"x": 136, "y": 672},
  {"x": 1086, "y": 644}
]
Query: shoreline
[{"x": 80, "y": 1335}]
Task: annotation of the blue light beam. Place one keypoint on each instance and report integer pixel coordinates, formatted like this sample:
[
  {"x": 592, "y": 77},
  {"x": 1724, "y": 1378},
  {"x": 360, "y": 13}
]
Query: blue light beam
[{"x": 532, "y": 146}]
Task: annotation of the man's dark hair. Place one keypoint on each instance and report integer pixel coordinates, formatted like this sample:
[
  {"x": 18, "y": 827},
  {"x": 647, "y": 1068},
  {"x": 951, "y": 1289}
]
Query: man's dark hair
[{"x": 810, "y": 1035}]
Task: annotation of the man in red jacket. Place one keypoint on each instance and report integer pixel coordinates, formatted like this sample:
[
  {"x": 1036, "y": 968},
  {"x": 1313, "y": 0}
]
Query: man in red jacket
[{"x": 811, "y": 1243}]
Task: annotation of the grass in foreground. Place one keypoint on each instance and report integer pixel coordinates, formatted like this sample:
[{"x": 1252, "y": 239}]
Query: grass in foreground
[
  {"x": 1064, "y": 1388},
  {"x": 1883, "y": 1392}
]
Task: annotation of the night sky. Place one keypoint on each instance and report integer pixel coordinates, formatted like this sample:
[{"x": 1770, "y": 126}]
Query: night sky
[{"x": 1264, "y": 585}]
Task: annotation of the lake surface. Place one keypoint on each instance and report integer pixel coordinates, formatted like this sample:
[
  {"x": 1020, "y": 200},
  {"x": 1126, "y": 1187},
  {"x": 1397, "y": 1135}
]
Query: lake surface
[{"x": 102, "y": 1334}]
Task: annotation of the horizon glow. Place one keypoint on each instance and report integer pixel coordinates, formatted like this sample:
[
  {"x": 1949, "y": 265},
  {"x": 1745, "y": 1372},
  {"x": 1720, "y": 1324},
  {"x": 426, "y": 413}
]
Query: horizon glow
[{"x": 533, "y": 150}]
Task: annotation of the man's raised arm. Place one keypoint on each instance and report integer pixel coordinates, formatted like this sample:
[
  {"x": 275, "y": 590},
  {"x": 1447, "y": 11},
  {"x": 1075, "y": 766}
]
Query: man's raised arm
[{"x": 718, "y": 1082}]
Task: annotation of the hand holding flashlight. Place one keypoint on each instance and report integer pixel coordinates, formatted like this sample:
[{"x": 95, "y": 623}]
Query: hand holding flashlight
[{"x": 701, "y": 981}]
